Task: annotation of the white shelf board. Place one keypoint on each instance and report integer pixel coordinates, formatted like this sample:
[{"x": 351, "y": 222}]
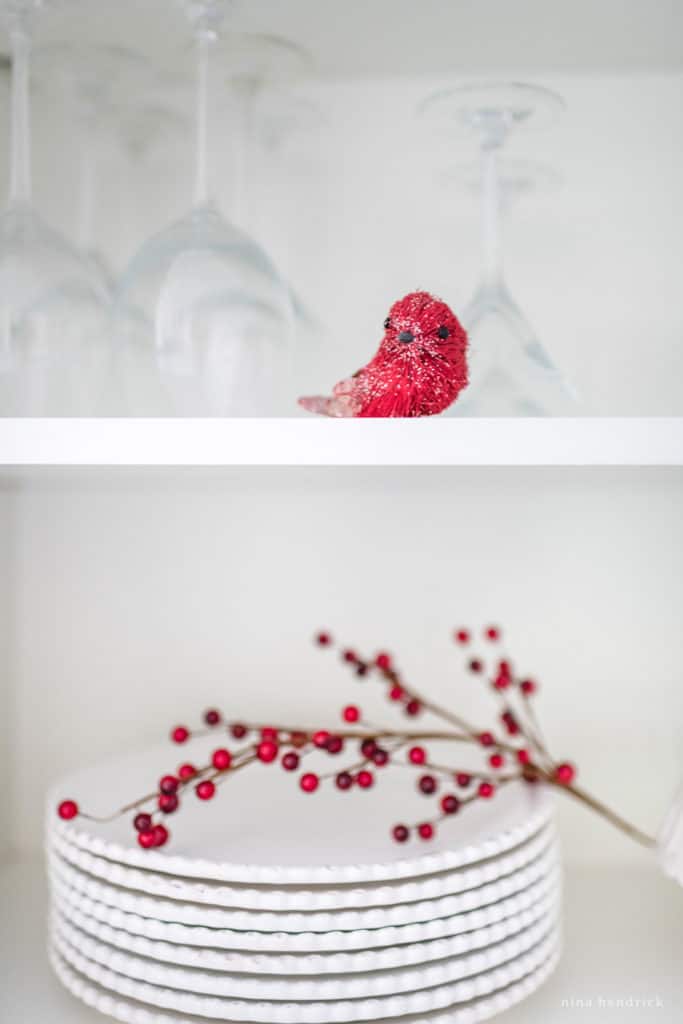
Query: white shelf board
[
  {"x": 311, "y": 442},
  {"x": 623, "y": 941}
]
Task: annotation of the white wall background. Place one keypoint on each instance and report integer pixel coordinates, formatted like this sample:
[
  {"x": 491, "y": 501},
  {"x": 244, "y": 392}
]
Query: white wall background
[{"x": 134, "y": 599}]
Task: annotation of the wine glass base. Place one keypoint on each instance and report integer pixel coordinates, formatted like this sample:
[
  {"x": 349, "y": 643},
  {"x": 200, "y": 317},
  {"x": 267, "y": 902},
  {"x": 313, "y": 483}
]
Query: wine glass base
[{"x": 498, "y": 107}]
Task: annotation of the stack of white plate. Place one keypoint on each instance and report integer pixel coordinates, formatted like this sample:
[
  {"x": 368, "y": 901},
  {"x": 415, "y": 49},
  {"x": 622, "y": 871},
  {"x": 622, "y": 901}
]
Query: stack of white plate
[{"x": 272, "y": 906}]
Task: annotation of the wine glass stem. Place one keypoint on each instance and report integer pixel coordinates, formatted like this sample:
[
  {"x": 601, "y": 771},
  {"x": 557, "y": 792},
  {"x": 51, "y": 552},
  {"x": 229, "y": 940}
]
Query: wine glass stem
[
  {"x": 491, "y": 217},
  {"x": 87, "y": 192},
  {"x": 201, "y": 189},
  {"x": 20, "y": 172}
]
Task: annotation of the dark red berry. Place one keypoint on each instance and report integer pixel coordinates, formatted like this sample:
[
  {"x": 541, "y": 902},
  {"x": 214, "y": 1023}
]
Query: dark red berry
[
  {"x": 267, "y": 751},
  {"x": 67, "y": 810},
  {"x": 368, "y": 748},
  {"x": 449, "y": 804},
  {"x": 212, "y": 717},
  {"x": 320, "y": 738},
  {"x": 205, "y": 790},
  {"x": 350, "y": 656},
  {"x": 186, "y": 771},
  {"x": 427, "y": 784},
  {"x": 180, "y": 734},
  {"x": 413, "y": 707},
  {"x": 523, "y": 756},
  {"x": 351, "y": 713},
  {"x": 502, "y": 681},
  {"x": 309, "y": 782},
  {"x": 400, "y": 833},
  {"x": 268, "y": 733},
  {"x": 528, "y": 686},
  {"x": 530, "y": 773},
  {"x": 492, "y": 633},
  {"x": 380, "y": 757},
  {"x": 323, "y": 639},
  {"x": 476, "y": 665},
  {"x": 462, "y": 636},
  {"x": 486, "y": 739},
  {"x": 334, "y": 745},
  {"x": 396, "y": 692},
  {"x": 496, "y": 760},
  {"x": 425, "y": 830},
  {"x": 160, "y": 835},
  {"x": 168, "y": 784},
  {"x": 142, "y": 822},
  {"x": 365, "y": 779},
  {"x": 290, "y": 761},
  {"x": 168, "y": 802},
  {"x": 417, "y": 755},
  {"x": 486, "y": 790},
  {"x": 344, "y": 780},
  {"x": 463, "y": 779},
  {"x": 565, "y": 773},
  {"x": 361, "y": 669},
  {"x": 383, "y": 662},
  {"x": 146, "y": 839},
  {"x": 221, "y": 759},
  {"x": 298, "y": 739},
  {"x": 238, "y": 730},
  {"x": 511, "y": 725}
]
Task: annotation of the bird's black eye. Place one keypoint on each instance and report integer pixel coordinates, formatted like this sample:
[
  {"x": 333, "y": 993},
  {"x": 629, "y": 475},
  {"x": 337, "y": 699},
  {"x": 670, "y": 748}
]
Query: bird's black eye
[
  {"x": 387, "y": 323},
  {"x": 443, "y": 332}
]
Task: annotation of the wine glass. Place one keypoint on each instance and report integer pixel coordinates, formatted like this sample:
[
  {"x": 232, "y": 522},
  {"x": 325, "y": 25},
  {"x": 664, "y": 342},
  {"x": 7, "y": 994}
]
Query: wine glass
[
  {"x": 511, "y": 373},
  {"x": 201, "y": 301},
  {"x": 54, "y": 356}
]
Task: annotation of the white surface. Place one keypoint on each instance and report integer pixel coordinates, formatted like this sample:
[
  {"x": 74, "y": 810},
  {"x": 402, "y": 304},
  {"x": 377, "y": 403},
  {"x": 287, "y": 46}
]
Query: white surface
[
  {"x": 623, "y": 941},
  {"x": 431, "y": 441}
]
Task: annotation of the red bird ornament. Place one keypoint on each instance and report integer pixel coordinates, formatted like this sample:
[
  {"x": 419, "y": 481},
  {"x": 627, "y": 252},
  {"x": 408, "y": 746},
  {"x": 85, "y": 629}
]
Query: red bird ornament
[{"x": 419, "y": 369}]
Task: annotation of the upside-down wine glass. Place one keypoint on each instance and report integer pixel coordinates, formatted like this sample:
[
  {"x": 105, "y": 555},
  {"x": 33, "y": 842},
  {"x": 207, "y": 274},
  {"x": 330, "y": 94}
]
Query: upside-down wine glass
[
  {"x": 202, "y": 300},
  {"x": 511, "y": 373},
  {"x": 54, "y": 353}
]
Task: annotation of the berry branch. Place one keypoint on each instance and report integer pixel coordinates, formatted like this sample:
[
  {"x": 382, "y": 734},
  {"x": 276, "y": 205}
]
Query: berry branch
[{"x": 520, "y": 755}]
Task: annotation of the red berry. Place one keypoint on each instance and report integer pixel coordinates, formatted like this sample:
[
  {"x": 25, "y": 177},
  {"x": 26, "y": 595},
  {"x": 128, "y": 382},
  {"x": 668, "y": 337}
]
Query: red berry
[
  {"x": 142, "y": 822},
  {"x": 463, "y": 779},
  {"x": 146, "y": 839},
  {"x": 400, "y": 833},
  {"x": 159, "y": 835},
  {"x": 476, "y": 665},
  {"x": 486, "y": 790},
  {"x": 368, "y": 748},
  {"x": 351, "y": 713},
  {"x": 180, "y": 734},
  {"x": 361, "y": 669},
  {"x": 383, "y": 662},
  {"x": 290, "y": 761},
  {"x": 320, "y": 738},
  {"x": 511, "y": 725},
  {"x": 365, "y": 779},
  {"x": 212, "y": 717},
  {"x": 413, "y": 707},
  {"x": 565, "y": 773},
  {"x": 205, "y": 790},
  {"x": 268, "y": 733},
  {"x": 323, "y": 639},
  {"x": 67, "y": 810},
  {"x": 427, "y": 784},
  {"x": 350, "y": 656},
  {"x": 425, "y": 830},
  {"x": 309, "y": 782},
  {"x": 523, "y": 756},
  {"x": 496, "y": 760},
  {"x": 334, "y": 745},
  {"x": 168, "y": 802},
  {"x": 344, "y": 780},
  {"x": 221, "y": 759},
  {"x": 502, "y": 681},
  {"x": 492, "y": 633},
  {"x": 267, "y": 751},
  {"x": 528, "y": 686},
  {"x": 462, "y": 636},
  {"x": 380, "y": 757},
  {"x": 417, "y": 755},
  {"x": 186, "y": 771},
  {"x": 168, "y": 784},
  {"x": 238, "y": 730},
  {"x": 449, "y": 804},
  {"x": 396, "y": 692},
  {"x": 486, "y": 739}
]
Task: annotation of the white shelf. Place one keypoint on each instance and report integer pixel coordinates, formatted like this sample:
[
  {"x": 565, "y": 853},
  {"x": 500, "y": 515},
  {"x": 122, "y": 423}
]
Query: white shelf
[
  {"x": 623, "y": 941},
  {"x": 310, "y": 442}
]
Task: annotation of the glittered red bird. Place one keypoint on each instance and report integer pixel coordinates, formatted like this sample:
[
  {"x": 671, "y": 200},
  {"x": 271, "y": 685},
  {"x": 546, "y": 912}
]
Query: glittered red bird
[{"x": 419, "y": 369}]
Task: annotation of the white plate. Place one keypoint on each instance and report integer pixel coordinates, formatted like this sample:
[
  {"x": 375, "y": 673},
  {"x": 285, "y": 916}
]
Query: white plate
[
  {"x": 344, "y": 837},
  {"x": 315, "y": 921},
  {"x": 337, "y": 943},
  {"x": 336, "y": 1012},
  {"x": 301, "y": 899},
  {"x": 132, "y": 1012},
  {"x": 215, "y": 958},
  {"x": 364, "y": 985}
]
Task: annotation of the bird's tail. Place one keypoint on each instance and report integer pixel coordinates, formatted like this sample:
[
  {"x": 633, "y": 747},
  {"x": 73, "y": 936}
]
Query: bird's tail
[{"x": 318, "y": 404}]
